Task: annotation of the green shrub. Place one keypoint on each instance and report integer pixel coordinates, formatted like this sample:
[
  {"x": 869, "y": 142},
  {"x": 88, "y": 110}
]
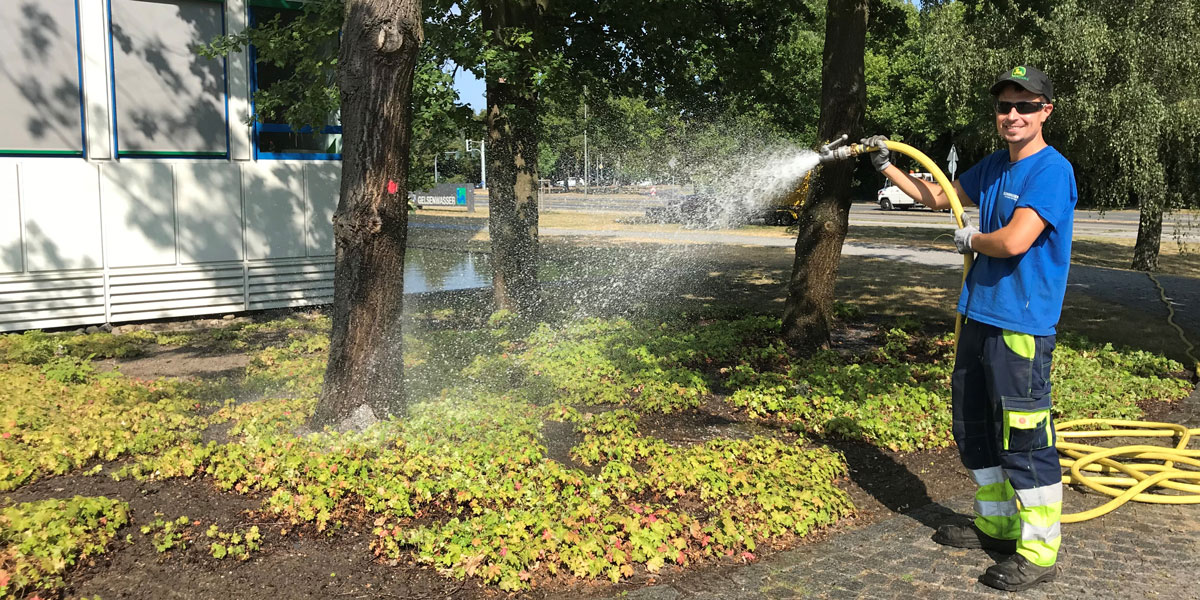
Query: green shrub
[
  {"x": 49, "y": 427},
  {"x": 108, "y": 345},
  {"x": 68, "y": 369},
  {"x": 846, "y": 311},
  {"x": 470, "y": 462},
  {"x": 30, "y": 348},
  {"x": 37, "y": 347},
  {"x": 168, "y": 535},
  {"x": 235, "y": 544}
]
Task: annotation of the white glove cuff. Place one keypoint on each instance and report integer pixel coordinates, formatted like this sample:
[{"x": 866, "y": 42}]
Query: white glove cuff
[{"x": 884, "y": 166}]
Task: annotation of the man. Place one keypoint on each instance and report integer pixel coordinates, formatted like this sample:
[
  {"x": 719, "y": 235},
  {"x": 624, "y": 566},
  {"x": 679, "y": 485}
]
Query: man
[{"x": 1011, "y": 301}]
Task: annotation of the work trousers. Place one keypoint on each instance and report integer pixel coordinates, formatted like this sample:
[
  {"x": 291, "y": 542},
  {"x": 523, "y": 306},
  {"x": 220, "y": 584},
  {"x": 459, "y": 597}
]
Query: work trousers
[{"x": 1005, "y": 436}]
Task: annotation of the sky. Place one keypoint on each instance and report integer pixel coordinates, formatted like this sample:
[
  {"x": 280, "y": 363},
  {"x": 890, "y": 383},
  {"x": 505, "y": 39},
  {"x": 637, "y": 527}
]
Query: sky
[{"x": 470, "y": 90}]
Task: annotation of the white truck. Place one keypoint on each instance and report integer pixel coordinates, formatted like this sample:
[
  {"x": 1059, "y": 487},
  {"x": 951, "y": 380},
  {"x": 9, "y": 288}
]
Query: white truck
[{"x": 891, "y": 197}]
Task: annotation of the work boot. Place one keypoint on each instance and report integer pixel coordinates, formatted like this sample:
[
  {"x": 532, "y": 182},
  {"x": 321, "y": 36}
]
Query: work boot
[
  {"x": 1016, "y": 573},
  {"x": 969, "y": 536}
]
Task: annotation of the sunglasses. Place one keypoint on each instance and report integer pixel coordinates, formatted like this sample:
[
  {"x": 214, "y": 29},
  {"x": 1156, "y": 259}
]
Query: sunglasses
[{"x": 1023, "y": 107}]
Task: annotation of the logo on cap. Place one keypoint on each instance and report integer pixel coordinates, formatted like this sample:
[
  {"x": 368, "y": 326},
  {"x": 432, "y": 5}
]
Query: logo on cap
[{"x": 1019, "y": 72}]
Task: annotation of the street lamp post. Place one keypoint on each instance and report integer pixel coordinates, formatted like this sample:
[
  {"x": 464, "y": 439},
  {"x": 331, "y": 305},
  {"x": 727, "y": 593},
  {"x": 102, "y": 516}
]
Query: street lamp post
[{"x": 480, "y": 146}]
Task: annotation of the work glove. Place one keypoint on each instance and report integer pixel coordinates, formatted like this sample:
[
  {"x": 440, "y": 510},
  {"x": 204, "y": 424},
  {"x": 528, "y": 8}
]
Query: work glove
[
  {"x": 963, "y": 235},
  {"x": 881, "y": 158}
]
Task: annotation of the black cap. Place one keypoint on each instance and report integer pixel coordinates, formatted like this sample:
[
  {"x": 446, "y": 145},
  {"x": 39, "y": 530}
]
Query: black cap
[{"x": 1026, "y": 77}]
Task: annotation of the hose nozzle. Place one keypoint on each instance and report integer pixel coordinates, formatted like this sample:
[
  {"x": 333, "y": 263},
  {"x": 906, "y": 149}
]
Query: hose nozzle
[{"x": 835, "y": 151}]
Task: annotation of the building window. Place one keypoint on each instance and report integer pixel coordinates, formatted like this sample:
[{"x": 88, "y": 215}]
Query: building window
[
  {"x": 169, "y": 100},
  {"x": 41, "y": 94},
  {"x": 278, "y": 140}
]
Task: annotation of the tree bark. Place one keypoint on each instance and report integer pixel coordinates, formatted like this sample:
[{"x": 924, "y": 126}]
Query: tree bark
[
  {"x": 824, "y": 218},
  {"x": 1149, "y": 237},
  {"x": 512, "y": 154},
  {"x": 364, "y": 377}
]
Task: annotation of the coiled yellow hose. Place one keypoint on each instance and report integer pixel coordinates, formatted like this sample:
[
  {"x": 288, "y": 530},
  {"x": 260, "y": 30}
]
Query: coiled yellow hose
[
  {"x": 1147, "y": 467},
  {"x": 1150, "y": 473}
]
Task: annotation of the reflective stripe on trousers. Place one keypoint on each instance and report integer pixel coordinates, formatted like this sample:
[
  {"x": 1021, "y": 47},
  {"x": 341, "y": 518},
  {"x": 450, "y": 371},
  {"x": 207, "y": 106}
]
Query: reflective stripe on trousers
[
  {"x": 1040, "y": 515},
  {"x": 1034, "y": 523},
  {"x": 995, "y": 504}
]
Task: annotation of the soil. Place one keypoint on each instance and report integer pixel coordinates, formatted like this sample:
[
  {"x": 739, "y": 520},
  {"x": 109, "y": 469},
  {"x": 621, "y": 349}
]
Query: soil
[
  {"x": 184, "y": 363},
  {"x": 301, "y": 563}
]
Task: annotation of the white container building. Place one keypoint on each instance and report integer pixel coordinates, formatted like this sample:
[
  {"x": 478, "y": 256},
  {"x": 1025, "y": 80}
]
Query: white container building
[{"x": 131, "y": 186}]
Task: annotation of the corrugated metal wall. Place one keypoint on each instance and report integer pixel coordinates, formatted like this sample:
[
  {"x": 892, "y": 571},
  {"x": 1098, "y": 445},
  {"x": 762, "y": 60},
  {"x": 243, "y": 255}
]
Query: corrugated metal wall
[
  {"x": 113, "y": 237},
  {"x": 84, "y": 243}
]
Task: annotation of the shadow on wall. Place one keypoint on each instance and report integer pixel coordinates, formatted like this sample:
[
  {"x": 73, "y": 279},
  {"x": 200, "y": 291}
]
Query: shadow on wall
[
  {"x": 275, "y": 215},
  {"x": 288, "y": 211},
  {"x": 323, "y": 181},
  {"x": 40, "y": 69},
  {"x": 10, "y": 256},
  {"x": 145, "y": 204},
  {"x": 210, "y": 212},
  {"x": 49, "y": 257},
  {"x": 168, "y": 97}
]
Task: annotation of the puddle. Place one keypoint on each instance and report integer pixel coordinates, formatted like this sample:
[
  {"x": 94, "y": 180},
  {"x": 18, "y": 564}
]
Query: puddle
[{"x": 427, "y": 270}]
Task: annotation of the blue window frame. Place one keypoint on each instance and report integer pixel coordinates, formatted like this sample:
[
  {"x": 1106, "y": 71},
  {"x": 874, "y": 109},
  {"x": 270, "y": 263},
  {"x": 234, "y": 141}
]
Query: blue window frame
[
  {"x": 52, "y": 113},
  {"x": 280, "y": 141}
]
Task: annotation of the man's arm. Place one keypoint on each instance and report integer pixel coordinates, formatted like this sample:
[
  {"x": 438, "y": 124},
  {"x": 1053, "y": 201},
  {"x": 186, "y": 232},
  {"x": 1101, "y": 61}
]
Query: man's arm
[
  {"x": 1013, "y": 239},
  {"x": 928, "y": 193}
]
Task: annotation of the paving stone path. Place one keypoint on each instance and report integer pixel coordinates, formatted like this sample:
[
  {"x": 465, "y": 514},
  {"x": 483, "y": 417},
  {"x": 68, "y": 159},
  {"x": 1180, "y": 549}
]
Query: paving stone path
[{"x": 1140, "y": 551}]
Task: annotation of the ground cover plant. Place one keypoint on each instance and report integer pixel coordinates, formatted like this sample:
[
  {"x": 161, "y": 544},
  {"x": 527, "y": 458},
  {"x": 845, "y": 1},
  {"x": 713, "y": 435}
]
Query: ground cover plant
[
  {"x": 41, "y": 540},
  {"x": 527, "y": 459}
]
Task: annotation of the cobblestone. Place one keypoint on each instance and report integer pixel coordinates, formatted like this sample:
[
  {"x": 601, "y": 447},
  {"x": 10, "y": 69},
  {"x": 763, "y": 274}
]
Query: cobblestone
[{"x": 1139, "y": 551}]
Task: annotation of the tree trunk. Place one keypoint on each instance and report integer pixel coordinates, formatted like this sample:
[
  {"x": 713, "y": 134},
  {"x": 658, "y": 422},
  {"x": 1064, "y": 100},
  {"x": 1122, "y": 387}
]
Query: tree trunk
[
  {"x": 824, "y": 217},
  {"x": 512, "y": 152},
  {"x": 1149, "y": 237},
  {"x": 364, "y": 377}
]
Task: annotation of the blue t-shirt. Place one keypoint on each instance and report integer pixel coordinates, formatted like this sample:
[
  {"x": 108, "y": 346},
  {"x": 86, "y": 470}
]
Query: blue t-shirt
[{"x": 1021, "y": 293}]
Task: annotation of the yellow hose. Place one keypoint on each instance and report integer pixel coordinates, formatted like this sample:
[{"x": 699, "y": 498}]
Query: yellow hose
[
  {"x": 1148, "y": 466},
  {"x": 948, "y": 188},
  {"x": 1154, "y": 473}
]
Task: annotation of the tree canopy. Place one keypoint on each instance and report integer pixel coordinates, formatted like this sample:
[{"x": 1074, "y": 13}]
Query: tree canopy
[{"x": 1127, "y": 92}]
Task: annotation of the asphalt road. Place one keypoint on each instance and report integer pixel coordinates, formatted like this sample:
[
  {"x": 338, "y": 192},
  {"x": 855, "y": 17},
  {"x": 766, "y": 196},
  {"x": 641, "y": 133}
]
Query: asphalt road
[{"x": 1088, "y": 223}]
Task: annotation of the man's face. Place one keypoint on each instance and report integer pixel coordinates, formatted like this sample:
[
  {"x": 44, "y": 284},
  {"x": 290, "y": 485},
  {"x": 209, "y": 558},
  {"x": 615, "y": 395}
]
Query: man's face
[{"x": 1015, "y": 127}]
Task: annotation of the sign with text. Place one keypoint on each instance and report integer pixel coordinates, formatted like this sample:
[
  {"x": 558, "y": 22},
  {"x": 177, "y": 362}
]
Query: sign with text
[{"x": 447, "y": 194}]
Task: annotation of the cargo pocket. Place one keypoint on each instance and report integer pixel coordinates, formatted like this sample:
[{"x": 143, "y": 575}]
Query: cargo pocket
[
  {"x": 1026, "y": 424},
  {"x": 1019, "y": 362}
]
